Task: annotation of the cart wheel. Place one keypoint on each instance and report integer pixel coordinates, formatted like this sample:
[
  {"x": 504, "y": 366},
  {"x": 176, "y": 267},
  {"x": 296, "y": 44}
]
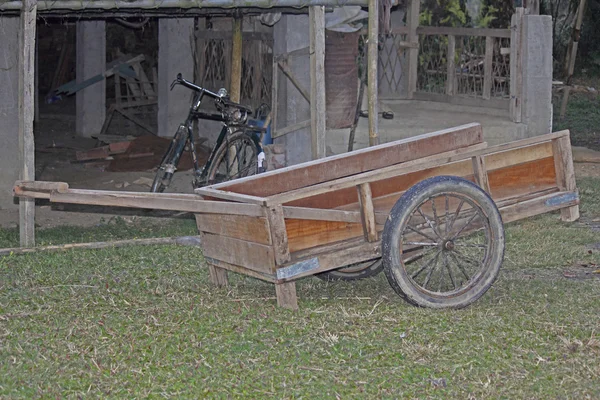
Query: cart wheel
[
  {"x": 443, "y": 243},
  {"x": 353, "y": 272}
]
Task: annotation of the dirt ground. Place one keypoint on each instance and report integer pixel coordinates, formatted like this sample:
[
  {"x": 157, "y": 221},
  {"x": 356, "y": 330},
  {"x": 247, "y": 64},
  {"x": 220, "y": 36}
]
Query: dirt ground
[{"x": 56, "y": 145}]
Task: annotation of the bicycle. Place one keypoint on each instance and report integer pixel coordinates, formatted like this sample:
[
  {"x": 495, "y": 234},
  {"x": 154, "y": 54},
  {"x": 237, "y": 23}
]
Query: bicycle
[{"x": 237, "y": 152}]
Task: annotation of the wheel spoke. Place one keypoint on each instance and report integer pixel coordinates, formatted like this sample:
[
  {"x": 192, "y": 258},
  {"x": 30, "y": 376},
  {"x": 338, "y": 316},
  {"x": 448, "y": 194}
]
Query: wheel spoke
[
  {"x": 420, "y": 243},
  {"x": 447, "y": 209},
  {"x": 455, "y": 216},
  {"x": 467, "y": 258},
  {"x": 426, "y": 218},
  {"x": 435, "y": 216},
  {"x": 428, "y": 277},
  {"x": 459, "y": 265},
  {"x": 450, "y": 273},
  {"x": 444, "y": 263},
  {"x": 418, "y": 256},
  {"x": 420, "y": 233},
  {"x": 480, "y": 246},
  {"x": 465, "y": 225}
]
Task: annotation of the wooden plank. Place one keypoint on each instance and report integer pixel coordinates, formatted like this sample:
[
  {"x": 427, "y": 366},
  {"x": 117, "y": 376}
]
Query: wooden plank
[
  {"x": 565, "y": 174},
  {"x": 372, "y": 76},
  {"x": 217, "y": 275},
  {"x": 286, "y": 295},
  {"x": 516, "y": 65},
  {"x": 285, "y": 68},
  {"x": 304, "y": 234},
  {"x": 367, "y": 212},
  {"x": 487, "y": 67},
  {"x": 241, "y": 270},
  {"x": 480, "y": 173},
  {"x": 252, "y": 229},
  {"x": 301, "y": 52},
  {"x": 539, "y": 205},
  {"x": 451, "y": 67},
  {"x": 365, "y": 177},
  {"x": 330, "y": 257},
  {"x": 383, "y": 155},
  {"x": 445, "y": 31},
  {"x": 115, "y": 199},
  {"x": 42, "y": 186},
  {"x": 278, "y": 234},
  {"x": 521, "y": 179},
  {"x": 412, "y": 20},
  {"x": 292, "y": 128},
  {"x": 316, "y": 16},
  {"x": 130, "y": 116},
  {"x": 227, "y": 35},
  {"x": 321, "y": 215},
  {"x": 27, "y": 36},
  {"x": 227, "y": 195},
  {"x": 254, "y": 256}
]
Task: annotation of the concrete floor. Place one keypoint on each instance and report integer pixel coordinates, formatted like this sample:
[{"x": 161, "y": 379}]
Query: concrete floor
[{"x": 413, "y": 118}]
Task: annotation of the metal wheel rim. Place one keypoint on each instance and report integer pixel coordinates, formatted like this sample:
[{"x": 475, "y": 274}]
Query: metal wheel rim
[{"x": 249, "y": 161}]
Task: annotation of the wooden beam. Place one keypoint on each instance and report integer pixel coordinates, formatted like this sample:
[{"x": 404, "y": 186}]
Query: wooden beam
[
  {"x": 274, "y": 97},
  {"x": 487, "y": 67},
  {"x": 451, "y": 67},
  {"x": 291, "y": 128},
  {"x": 412, "y": 20},
  {"x": 235, "y": 89},
  {"x": 565, "y": 174},
  {"x": 367, "y": 212},
  {"x": 317, "y": 81},
  {"x": 286, "y": 295},
  {"x": 26, "y": 115},
  {"x": 217, "y": 275},
  {"x": 372, "y": 78},
  {"x": 516, "y": 65},
  {"x": 285, "y": 68},
  {"x": 278, "y": 234},
  {"x": 480, "y": 173}
]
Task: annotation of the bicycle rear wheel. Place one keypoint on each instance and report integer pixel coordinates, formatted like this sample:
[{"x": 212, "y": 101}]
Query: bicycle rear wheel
[{"x": 236, "y": 158}]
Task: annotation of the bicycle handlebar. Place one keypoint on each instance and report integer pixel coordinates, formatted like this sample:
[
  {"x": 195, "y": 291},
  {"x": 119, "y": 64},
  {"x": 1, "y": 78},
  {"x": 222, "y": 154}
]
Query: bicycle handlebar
[{"x": 183, "y": 82}]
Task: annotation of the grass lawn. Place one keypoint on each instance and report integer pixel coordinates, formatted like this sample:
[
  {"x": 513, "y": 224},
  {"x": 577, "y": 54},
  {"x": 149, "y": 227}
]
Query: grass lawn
[{"x": 145, "y": 322}]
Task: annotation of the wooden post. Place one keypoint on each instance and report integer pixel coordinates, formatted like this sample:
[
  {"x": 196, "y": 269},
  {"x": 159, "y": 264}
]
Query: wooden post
[
  {"x": 565, "y": 174},
  {"x": 412, "y": 20},
  {"x": 480, "y": 173},
  {"x": 367, "y": 211},
  {"x": 317, "y": 81},
  {"x": 488, "y": 66},
  {"x": 26, "y": 114},
  {"x": 451, "y": 66},
  {"x": 235, "y": 89},
  {"x": 516, "y": 65},
  {"x": 286, "y": 295},
  {"x": 279, "y": 239},
  {"x": 373, "y": 59},
  {"x": 217, "y": 275}
]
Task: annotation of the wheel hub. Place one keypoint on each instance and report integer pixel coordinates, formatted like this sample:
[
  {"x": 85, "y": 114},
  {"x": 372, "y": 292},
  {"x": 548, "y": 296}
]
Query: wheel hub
[{"x": 449, "y": 245}]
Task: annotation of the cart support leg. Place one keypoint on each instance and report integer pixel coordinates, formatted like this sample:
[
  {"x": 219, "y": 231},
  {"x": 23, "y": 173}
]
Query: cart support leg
[
  {"x": 218, "y": 276},
  {"x": 286, "y": 295},
  {"x": 565, "y": 174}
]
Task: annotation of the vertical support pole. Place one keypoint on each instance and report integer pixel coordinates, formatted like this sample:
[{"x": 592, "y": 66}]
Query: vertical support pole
[
  {"x": 480, "y": 173},
  {"x": 274, "y": 96},
  {"x": 412, "y": 20},
  {"x": 26, "y": 114},
  {"x": 367, "y": 211},
  {"x": 317, "y": 81},
  {"x": 236, "y": 59},
  {"x": 286, "y": 295},
  {"x": 565, "y": 174},
  {"x": 451, "y": 66},
  {"x": 516, "y": 65},
  {"x": 373, "y": 59},
  {"x": 279, "y": 239},
  {"x": 488, "y": 65},
  {"x": 36, "y": 100}
]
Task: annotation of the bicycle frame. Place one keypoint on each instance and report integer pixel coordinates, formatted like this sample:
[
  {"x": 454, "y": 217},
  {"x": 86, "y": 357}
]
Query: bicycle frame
[{"x": 185, "y": 137}]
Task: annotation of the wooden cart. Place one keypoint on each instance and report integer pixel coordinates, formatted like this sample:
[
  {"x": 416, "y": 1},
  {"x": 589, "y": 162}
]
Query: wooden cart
[{"x": 428, "y": 210}]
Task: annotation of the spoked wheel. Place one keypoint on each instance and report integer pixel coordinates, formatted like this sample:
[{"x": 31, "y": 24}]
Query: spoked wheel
[
  {"x": 168, "y": 165},
  {"x": 353, "y": 272},
  {"x": 443, "y": 244},
  {"x": 236, "y": 158}
]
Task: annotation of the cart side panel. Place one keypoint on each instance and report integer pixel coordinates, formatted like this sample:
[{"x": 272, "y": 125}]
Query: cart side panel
[
  {"x": 253, "y": 229},
  {"x": 305, "y": 234},
  {"x": 250, "y": 255},
  {"x": 376, "y": 157}
]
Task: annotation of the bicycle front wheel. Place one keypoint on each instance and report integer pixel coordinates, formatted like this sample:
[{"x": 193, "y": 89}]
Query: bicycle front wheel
[{"x": 236, "y": 158}]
